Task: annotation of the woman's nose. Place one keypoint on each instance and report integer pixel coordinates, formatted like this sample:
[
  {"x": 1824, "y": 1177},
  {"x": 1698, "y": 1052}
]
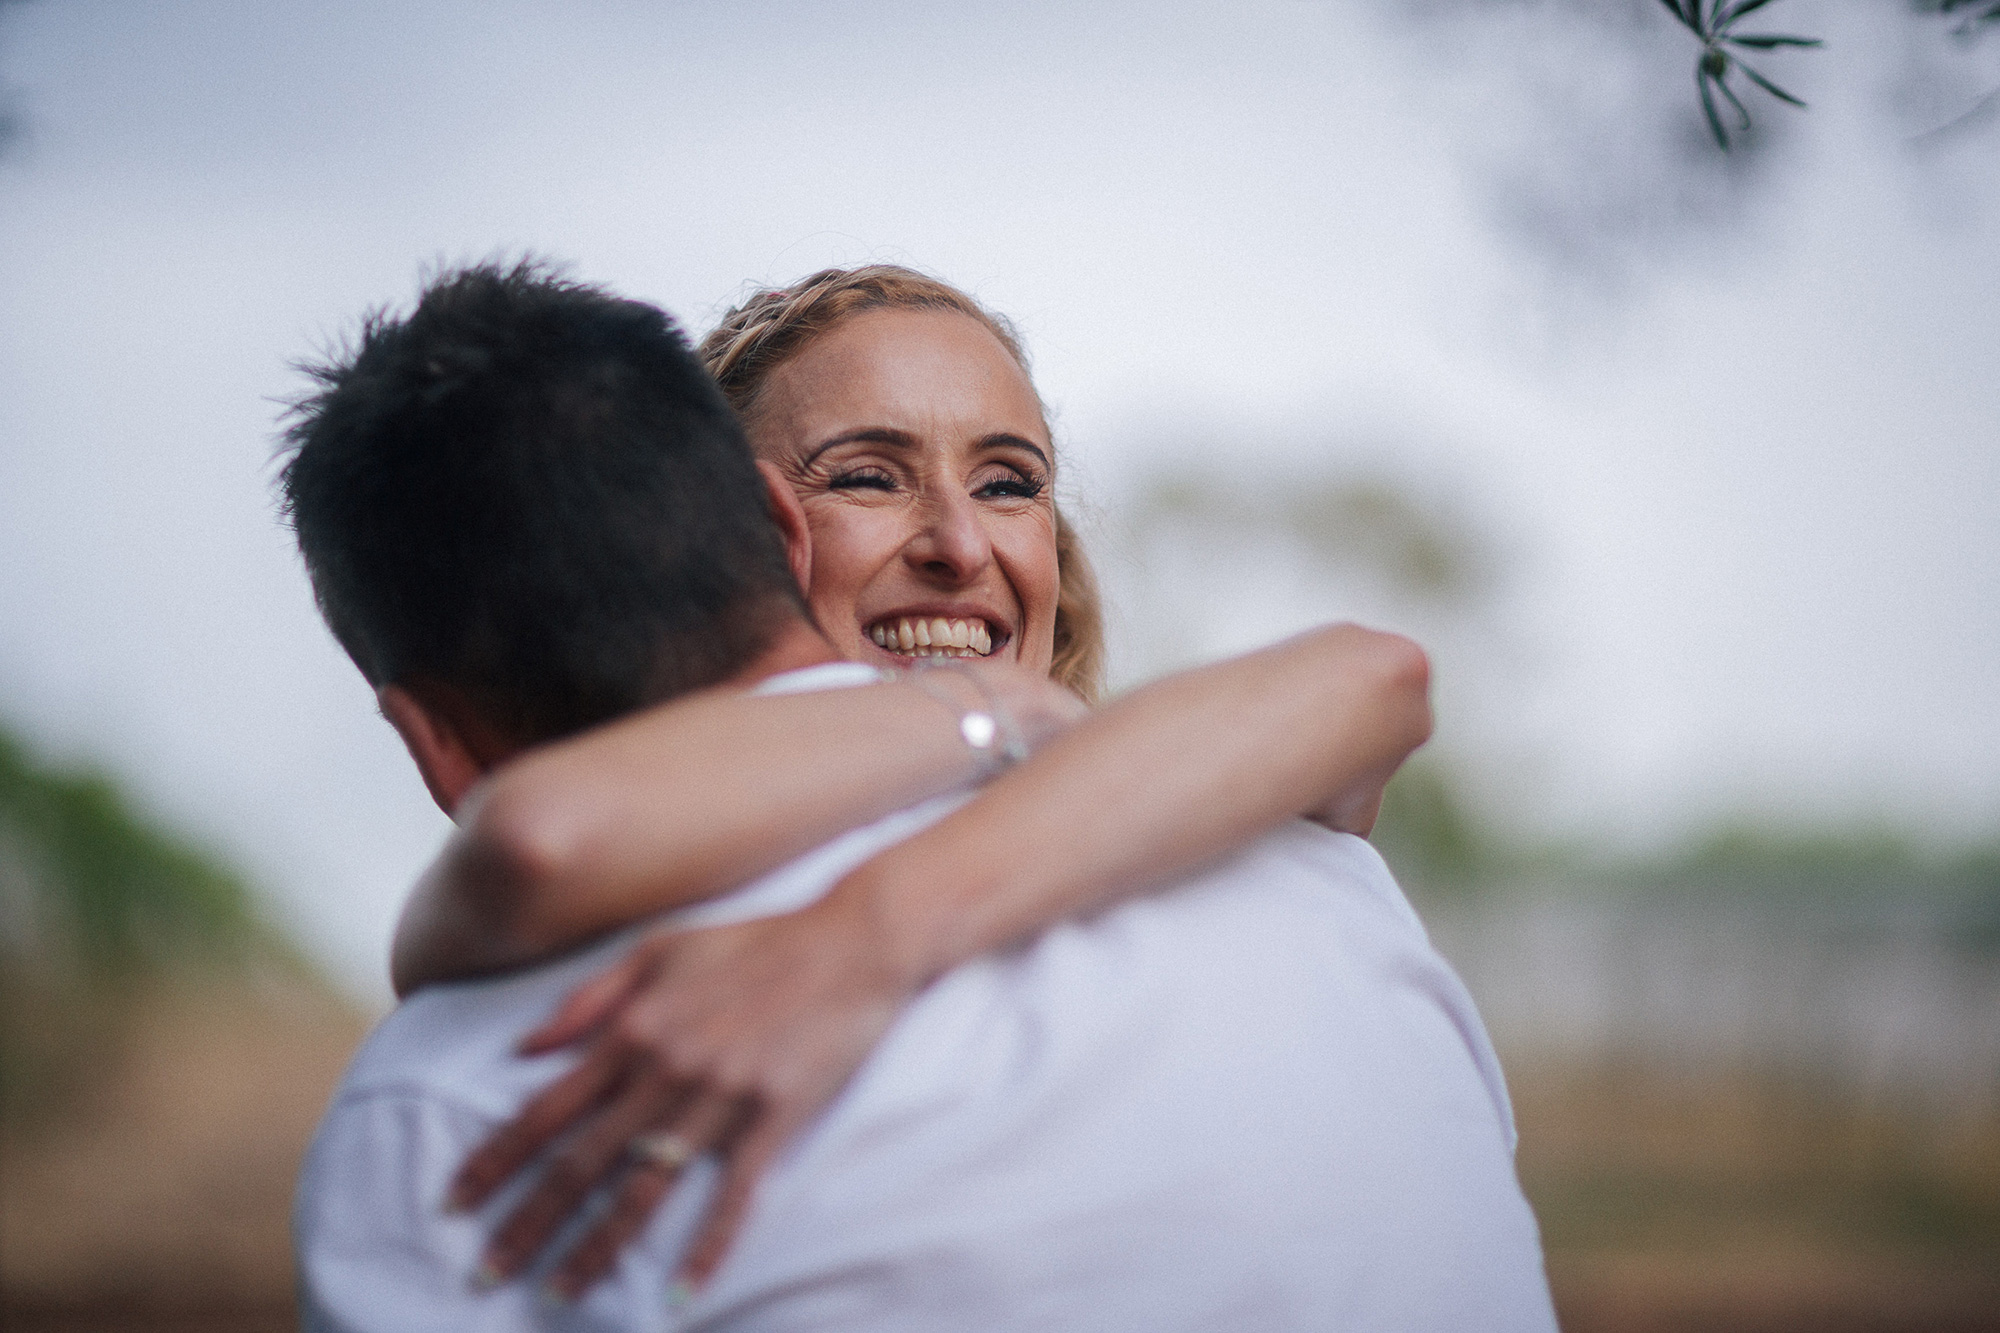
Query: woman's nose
[{"x": 951, "y": 544}]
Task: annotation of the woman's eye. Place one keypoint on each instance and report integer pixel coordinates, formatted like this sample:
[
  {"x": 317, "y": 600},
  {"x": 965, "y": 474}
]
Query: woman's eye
[
  {"x": 1010, "y": 488},
  {"x": 867, "y": 479}
]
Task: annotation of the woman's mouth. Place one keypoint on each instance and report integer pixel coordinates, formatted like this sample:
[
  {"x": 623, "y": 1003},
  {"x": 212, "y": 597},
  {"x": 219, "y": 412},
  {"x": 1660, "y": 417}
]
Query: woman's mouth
[{"x": 932, "y": 636}]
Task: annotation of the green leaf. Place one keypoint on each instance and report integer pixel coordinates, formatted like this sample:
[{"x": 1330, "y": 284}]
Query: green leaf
[
  {"x": 1740, "y": 111},
  {"x": 1764, "y": 42},
  {"x": 1738, "y": 11},
  {"x": 1674, "y": 8},
  {"x": 1708, "y": 109},
  {"x": 1768, "y": 86}
]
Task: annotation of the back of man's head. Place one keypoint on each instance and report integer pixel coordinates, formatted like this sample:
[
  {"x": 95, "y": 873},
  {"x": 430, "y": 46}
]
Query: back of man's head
[{"x": 529, "y": 491}]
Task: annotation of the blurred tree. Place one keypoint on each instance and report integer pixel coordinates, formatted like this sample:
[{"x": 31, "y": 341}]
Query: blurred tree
[
  {"x": 1362, "y": 526},
  {"x": 1871, "y": 860},
  {"x": 96, "y": 902},
  {"x": 1428, "y": 832},
  {"x": 92, "y": 886},
  {"x": 1352, "y": 523},
  {"x": 10, "y": 118},
  {"x": 1345, "y": 546}
]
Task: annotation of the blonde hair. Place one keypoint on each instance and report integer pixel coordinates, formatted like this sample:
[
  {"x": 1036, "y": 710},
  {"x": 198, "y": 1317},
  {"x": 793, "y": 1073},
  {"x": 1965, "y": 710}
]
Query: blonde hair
[{"x": 775, "y": 324}]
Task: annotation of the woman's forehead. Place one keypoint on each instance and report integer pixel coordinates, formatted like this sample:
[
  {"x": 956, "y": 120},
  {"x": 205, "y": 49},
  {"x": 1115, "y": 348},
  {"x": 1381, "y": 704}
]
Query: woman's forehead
[{"x": 920, "y": 371}]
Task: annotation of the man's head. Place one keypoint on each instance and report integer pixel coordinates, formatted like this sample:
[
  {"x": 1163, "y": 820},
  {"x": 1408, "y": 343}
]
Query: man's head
[{"x": 526, "y": 509}]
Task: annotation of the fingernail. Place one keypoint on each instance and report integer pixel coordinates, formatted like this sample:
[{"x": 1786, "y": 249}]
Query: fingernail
[
  {"x": 551, "y": 1297},
  {"x": 487, "y": 1276}
]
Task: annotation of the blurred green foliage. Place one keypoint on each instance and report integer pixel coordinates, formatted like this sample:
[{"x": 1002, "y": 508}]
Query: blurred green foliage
[
  {"x": 1764, "y": 850},
  {"x": 91, "y": 885},
  {"x": 1865, "y": 872},
  {"x": 98, "y": 904},
  {"x": 1428, "y": 833},
  {"x": 10, "y": 118},
  {"x": 1424, "y": 551},
  {"x": 1432, "y": 834}
]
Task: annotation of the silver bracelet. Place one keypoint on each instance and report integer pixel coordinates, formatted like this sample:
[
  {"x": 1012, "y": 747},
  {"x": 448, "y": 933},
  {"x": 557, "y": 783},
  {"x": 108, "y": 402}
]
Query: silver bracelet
[{"x": 988, "y": 729}]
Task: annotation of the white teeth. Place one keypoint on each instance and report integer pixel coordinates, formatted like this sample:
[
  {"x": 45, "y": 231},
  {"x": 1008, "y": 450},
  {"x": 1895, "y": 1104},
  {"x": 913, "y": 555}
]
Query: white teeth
[{"x": 932, "y": 636}]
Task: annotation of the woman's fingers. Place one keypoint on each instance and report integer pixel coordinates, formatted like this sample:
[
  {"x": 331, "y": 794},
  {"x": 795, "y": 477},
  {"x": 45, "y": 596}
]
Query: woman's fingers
[
  {"x": 575, "y": 1169},
  {"x": 700, "y": 1128},
  {"x": 701, "y": 1035},
  {"x": 638, "y": 1198},
  {"x": 546, "y": 1116},
  {"x": 587, "y": 1007},
  {"x": 747, "y": 1159}
]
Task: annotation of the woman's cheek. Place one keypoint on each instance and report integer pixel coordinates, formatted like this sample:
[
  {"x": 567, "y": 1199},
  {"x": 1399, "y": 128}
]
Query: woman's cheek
[
  {"x": 844, "y": 560},
  {"x": 1037, "y": 580}
]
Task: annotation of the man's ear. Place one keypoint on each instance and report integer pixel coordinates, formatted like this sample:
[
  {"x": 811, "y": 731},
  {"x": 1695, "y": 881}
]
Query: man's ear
[
  {"x": 791, "y": 519},
  {"x": 438, "y": 745}
]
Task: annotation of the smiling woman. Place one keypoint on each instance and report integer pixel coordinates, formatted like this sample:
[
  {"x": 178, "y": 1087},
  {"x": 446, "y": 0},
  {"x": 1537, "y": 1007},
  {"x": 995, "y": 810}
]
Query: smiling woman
[
  {"x": 910, "y": 467},
  {"x": 902, "y": 413},
  {"x": 917, "y": 451}
]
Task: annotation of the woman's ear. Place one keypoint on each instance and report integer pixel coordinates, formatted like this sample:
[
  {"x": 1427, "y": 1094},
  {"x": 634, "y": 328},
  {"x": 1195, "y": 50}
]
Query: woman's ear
[
  {"x": 435, "y": 743},
  {"x": 790, "y": 516}
]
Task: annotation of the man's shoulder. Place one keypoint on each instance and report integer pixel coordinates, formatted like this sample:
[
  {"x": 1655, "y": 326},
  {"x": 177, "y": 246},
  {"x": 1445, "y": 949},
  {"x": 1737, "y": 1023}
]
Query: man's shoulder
[
  {"x": 457, "y": 1040},
  {"x": 1349, "y": 914},
  {"x": 1300, "y": 872},
  {"x": 1259, "y": 1082}
]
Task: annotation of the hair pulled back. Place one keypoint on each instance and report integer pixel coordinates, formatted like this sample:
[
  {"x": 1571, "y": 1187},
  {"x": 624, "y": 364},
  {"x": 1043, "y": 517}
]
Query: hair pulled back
[{"x": 776, "y": 324}]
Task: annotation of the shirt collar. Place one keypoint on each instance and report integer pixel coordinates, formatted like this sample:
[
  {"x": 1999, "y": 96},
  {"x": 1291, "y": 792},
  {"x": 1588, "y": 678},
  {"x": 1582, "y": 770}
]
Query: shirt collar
[{"x": 822, "y": 676}]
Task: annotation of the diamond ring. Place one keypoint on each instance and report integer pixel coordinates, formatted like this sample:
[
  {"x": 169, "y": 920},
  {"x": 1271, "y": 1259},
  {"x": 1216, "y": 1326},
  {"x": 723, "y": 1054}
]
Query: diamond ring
[{"x": 664, "y": 1148}]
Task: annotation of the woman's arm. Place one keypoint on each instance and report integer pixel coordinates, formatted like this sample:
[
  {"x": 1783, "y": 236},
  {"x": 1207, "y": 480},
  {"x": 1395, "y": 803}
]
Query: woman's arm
[
  {"x": 1170, "y": 776},
  {"x": 734, "y": 1037},
  {"x": 680, "y": 802},
  {"x": 676, "y": 804}
]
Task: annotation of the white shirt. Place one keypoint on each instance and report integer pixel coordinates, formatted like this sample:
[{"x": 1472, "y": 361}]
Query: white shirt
[{"x": 1257, "y": 1100}]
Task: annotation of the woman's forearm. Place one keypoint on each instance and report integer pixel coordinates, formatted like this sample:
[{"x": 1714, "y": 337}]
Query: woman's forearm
[
  {"x": 1152, "y": 785},
  {"x": 662, "y": 809}
]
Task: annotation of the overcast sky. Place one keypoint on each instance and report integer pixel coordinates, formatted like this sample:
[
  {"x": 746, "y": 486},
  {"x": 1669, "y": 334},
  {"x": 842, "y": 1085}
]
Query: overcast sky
[{"x": 1733, "y": 424}]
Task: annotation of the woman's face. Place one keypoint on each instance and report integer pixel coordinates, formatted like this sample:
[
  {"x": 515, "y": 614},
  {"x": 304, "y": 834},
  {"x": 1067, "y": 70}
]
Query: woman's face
[{"x": 917, "y": 448}]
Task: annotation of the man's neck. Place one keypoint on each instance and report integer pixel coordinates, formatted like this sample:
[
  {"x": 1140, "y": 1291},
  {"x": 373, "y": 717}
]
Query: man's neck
[{"x": 799, "y": 644}]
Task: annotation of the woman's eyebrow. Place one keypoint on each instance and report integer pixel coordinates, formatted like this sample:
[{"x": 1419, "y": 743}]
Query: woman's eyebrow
[
  {"x": 901, "y": 439},
  {"x": 1004, "y": 439}
]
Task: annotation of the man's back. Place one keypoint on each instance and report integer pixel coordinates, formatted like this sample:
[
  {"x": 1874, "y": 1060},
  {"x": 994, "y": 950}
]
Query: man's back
[{"x": 1258, "y": 1100}]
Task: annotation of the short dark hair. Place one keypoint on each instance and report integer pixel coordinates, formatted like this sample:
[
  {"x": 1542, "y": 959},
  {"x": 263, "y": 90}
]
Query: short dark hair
[{"x": 530, "y": 490}]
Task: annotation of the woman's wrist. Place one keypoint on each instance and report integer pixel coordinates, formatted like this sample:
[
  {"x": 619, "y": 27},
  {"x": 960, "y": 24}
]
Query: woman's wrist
[
  {"x": 914, "y": 916},
  {"x": 985, "y": 724}
]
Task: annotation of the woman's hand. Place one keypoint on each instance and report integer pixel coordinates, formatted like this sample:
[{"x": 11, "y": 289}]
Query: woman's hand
[{"x": 725, "y": 1040}]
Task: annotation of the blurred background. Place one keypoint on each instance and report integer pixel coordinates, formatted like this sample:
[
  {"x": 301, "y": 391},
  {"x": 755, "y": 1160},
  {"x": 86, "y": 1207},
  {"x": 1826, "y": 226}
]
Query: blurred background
[{"x": 1449, "y": 316}]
